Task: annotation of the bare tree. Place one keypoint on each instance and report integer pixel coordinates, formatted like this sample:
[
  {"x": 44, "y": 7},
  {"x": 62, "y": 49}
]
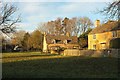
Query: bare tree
[
  {"x": 58, "y": 26},
  {"x": 112, "y": 10},
  {"x": 69, "y": 25},
  {"x": 7, "y": 23},
  {"x": 82, "y": 25},
  {"x": 73, "y": 26},
  {"x": 51, "y": 27},
  {"x": 42, "y": 27},
  {"x": 18, "y": 37},
  {"x": 48, "y": 27}
]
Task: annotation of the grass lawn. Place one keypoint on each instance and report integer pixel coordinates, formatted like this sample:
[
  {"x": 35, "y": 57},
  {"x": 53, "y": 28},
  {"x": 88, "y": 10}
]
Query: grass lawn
[{"x": 36, "y": 65}]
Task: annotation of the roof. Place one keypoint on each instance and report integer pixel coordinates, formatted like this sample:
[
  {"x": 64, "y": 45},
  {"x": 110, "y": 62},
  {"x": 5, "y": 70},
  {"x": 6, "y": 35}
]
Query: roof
[
  {"x": 61, "y": 39},
  {"x": 109, "y": 26}
]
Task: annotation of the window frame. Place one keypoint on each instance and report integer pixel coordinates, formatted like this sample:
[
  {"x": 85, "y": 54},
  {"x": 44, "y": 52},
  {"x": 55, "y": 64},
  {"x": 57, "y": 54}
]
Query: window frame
[{"x": 94, "y": 36}]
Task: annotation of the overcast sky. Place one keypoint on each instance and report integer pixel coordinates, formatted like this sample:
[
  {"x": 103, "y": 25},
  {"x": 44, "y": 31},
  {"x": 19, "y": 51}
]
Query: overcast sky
[{"x": 33, "y": 13}]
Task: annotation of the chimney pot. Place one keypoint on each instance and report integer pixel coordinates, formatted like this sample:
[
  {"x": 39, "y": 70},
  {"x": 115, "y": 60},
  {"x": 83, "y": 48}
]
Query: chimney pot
[{"x": 97, "y": 23}]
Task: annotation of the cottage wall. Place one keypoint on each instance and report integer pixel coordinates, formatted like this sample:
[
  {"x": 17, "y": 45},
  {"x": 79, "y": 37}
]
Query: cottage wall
[
  {"x": 118, "y": 33},
  {"x": 101, "y": 41}
]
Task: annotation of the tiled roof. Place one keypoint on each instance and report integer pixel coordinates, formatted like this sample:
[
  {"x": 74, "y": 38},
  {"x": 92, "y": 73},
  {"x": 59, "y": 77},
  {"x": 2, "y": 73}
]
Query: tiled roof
[
  {"x": 109, "y": 26},
  {"x": 61, "y": 38}
]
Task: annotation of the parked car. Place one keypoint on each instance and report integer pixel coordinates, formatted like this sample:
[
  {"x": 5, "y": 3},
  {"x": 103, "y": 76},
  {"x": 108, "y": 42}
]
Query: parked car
[{"x": 18, "y": 49}]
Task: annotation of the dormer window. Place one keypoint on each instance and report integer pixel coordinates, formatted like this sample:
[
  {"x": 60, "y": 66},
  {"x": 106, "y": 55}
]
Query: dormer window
[
  {"x": 54, "y": 41},
  {"x": 58, "y": 41},
  {"x": 68, "y": 41},
  {"x": 94, "y": 36}
]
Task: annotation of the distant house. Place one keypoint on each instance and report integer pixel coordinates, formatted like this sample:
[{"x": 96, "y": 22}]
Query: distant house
[
  {"x": 54, "y": 42},
  {"x": 100, "y": 36}
]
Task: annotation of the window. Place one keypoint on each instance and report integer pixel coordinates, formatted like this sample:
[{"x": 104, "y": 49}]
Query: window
[
  {"x": 94, "y": 36},
  {"x": 58, "y": 41},
  {"x": 53, "y": 41},
  {"x": 68, "y": 41},
  {"x": 114, "y": 34},
  {"x": 103, "y": 45},
  {"x": 94, "y": 46}
]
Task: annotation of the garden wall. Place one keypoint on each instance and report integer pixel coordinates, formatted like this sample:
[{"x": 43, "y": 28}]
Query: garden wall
[
  {"x": 71, "y": 52},
  {"x": 92, "y": 53}
]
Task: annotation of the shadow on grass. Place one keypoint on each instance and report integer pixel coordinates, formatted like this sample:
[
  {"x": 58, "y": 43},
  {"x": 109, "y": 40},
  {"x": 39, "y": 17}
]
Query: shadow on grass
[
  {"x": 69, "y": 67},
  {"x": 33, "y": 55}
]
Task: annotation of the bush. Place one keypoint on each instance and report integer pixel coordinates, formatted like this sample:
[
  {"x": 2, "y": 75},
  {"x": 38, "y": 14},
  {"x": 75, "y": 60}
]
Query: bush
[
  {"x": 115, "y": 43},
  {"x": 83, "y": 42},
  {"x": 60, "y": 49}
]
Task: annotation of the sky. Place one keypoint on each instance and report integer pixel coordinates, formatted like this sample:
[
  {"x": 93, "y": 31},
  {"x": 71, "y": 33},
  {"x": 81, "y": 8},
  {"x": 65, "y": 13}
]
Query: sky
[{"x": 34, "y": 12}]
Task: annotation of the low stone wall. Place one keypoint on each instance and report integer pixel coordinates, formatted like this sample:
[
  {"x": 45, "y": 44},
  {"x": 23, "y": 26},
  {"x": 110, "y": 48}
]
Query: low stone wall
[
  {"x": 111, "y": 52},
  {"x": 87, "y": 52},
  {"x": 71, "y": 52},
  {"x": 92, "y": 53}
]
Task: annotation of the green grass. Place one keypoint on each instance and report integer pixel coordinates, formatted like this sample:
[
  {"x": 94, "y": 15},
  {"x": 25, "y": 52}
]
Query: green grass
[{"x": 55, "y": 66}]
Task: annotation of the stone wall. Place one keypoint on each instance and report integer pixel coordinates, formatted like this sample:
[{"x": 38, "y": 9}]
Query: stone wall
[
  {"x": 111, "y": 52},
  {"x": 71, "y": 52},
  {"x": 92, "y": 53}
]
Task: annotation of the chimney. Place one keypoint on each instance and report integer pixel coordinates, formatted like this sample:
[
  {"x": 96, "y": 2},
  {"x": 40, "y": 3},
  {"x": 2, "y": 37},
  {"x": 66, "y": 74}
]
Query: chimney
[{"x": 97, "y": 23}]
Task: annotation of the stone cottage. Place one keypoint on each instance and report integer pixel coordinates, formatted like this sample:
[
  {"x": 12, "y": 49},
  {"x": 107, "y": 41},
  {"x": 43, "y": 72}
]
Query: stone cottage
[
  {"x": 51, "y": 43},
  {"x": 100, "y": 36}
]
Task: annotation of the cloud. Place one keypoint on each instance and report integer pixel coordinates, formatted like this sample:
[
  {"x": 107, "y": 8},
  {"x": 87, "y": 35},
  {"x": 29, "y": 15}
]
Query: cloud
[
  {"x": 29, "y": 27},
  {"x": 1, "y": 5},
  {"x": 23, "y": 25},
  {"x": 36, "y": 9},
  {"x": 41, "y": 11},
  {"x": 29, "y": 30},
  {"x": 29, "y": 8},
  {"x": 70, "y": 7},
  {"x": 82, "y": 7},
  {"x": 35, "y": 12},
  {"x": 58, "y": 0}
]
